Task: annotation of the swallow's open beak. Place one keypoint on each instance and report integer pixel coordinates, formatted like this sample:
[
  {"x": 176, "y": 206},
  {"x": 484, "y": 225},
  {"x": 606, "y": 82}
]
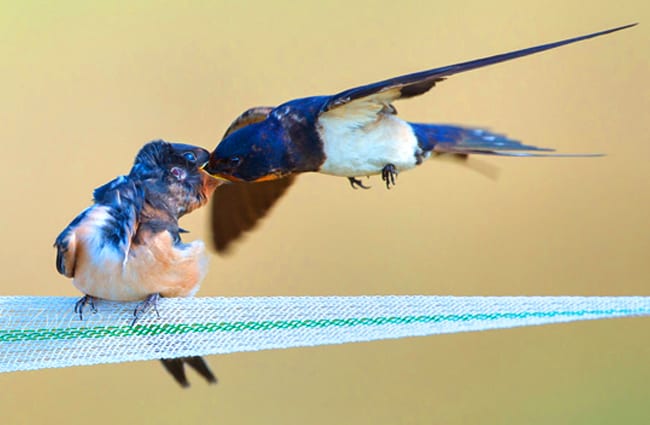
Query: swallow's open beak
[
  {"x": 210, "y": 184},
  {"x": 216, "y": 179},
  {"x": 268, "y": 177},
  {"x": 229, "y": 178},
  {"x": 225, "y": 179},
  {"x": 218, "y": 176}
]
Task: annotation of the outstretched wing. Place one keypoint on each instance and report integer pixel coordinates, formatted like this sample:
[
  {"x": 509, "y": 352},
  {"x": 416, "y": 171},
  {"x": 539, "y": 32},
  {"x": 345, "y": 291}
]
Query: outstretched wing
[
  {"x": 237, "y": 207},
  {"x": 384, "y": 92},
  {"x": 250, "y": 116}
]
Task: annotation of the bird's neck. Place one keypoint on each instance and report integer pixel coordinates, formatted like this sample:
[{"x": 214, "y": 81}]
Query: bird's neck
[{"x": 158, "y": 210}]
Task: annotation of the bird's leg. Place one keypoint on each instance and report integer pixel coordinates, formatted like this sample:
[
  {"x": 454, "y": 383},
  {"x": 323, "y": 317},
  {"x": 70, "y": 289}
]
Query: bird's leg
[
  {"x": 81, "y": 303},
  {"x": 388, "y": 174},
  {"x": 150, "y": 301},
  {"x": 355, "y": 182}
]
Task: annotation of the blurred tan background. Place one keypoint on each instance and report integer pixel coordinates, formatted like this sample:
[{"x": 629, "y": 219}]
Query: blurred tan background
[{"x": 84, "y": 85}]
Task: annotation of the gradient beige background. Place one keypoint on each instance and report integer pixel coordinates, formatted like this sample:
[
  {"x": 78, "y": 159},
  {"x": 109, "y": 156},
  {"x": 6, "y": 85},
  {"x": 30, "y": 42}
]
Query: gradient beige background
[{"x": 83, "y": 86}]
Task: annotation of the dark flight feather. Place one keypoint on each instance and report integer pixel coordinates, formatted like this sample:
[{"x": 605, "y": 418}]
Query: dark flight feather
[{"x": 415, "y": 84}]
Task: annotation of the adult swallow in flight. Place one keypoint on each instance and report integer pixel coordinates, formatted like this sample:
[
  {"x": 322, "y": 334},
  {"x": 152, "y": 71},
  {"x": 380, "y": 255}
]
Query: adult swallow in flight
[
  {"x": 247, "y": 202},
  {"x": 127, "y": 245},
  {"x": 350, "y": 134}
]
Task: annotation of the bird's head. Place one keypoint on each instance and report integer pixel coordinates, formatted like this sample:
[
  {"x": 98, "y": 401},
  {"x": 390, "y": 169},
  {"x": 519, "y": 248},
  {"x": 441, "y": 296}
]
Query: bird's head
[
  {"x": 172, "y": 175},
  {"x": 253, "y": 153}
]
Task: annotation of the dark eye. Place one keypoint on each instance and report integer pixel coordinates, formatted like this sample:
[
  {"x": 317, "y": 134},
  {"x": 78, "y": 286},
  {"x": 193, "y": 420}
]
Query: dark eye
[
  {"x": 234, "y": 161},
  {"x": 189, "y": 156}
]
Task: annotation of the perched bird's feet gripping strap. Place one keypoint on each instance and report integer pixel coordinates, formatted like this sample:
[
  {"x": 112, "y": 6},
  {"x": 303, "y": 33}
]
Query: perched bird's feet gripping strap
[
  {"x": 150, "y": 302},
  {"x": 81, "y": 303}
]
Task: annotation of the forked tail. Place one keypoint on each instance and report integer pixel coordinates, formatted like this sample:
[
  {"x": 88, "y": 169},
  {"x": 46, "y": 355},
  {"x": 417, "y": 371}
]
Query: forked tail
[{"x": 443, "y": 138}]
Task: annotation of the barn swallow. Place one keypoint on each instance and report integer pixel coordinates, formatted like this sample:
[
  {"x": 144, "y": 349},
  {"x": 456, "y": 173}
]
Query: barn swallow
[
  {"x": 127, "y": 245},
  {"x": 350, "y": 134},
  {"x": 247, "y": 202}
]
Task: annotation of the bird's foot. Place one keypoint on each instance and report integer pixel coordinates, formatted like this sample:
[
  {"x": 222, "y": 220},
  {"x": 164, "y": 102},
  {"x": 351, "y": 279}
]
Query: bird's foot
[
  {"x": 144, "y": 306},
  {"x": 355, "y": 182},
  {"x": 81, "y": 303},
  {"x": 388, "y": 174}
]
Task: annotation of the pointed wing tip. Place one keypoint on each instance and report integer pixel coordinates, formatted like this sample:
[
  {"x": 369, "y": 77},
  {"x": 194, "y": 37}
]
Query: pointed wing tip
[
  {"x": 627, "y": 26},
  {"x": 199, "y": 364},
  {"x": 175, "y": 368},
  {"x": 622, "y": 27},
  {"x": 223, "y": 248},
  {"x": 417, "y": 83}
]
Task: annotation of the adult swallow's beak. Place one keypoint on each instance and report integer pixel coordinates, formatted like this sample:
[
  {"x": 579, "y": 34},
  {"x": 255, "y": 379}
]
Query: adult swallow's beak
[
  {"x": 268, "y": 177},
  {"x": 229, "y": 178},
  {"x": 217, "y": 175}
]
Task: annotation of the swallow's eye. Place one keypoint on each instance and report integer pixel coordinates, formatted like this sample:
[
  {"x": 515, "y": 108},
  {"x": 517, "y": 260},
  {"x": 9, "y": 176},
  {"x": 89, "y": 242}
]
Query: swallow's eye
[
  {"x": 235, "y": 161},
  {"x": 189, "y": 156}
]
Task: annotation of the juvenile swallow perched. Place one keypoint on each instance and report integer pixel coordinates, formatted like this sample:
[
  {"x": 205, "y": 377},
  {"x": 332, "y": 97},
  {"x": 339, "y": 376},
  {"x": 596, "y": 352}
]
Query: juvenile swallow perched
[
  {"x": 357, "y": 133},
  {"x": 127, "y": 245}
]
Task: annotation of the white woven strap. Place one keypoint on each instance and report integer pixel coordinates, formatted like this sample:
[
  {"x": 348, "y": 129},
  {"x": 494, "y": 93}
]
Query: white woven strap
[{"x": 44, "y": 332}]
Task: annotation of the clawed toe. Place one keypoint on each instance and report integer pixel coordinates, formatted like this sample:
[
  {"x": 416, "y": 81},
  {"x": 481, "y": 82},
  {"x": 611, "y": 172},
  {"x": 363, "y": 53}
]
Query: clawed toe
[
  {"x": 355, "y": 183},
  {"x": 388, "y": 174},
  {"x": 81, "y": 304},
  {"x": 150, "y": 302}
]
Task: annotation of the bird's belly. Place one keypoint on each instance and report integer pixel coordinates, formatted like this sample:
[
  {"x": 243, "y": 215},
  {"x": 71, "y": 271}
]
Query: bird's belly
[
  {"x": 362, "y": 151},
  {"x": 157, "y": 267}
]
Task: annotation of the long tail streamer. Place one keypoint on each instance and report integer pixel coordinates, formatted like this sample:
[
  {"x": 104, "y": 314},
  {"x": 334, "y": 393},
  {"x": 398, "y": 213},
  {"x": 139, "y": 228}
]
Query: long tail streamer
[{"x": 44, "y": 332}]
